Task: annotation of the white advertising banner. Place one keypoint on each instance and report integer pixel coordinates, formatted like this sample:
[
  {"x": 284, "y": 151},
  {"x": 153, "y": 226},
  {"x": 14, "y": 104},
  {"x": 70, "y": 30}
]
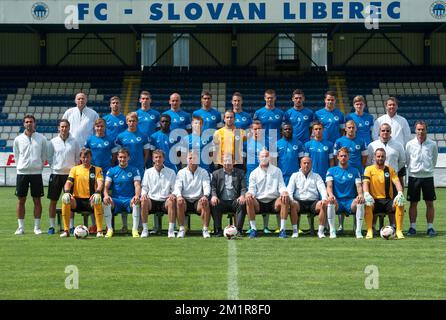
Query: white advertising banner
[{"x": 70, "y": 12}]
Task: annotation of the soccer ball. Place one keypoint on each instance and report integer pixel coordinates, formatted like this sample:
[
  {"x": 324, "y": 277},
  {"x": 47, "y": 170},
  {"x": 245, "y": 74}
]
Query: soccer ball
[
  {"x": 230, "y": 232},
  {"x": 81, "y": 232},
  {"x": 387, "y": 233}
]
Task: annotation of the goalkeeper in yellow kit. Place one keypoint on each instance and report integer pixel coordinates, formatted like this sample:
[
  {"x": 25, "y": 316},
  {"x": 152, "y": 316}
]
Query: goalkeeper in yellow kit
[
  {"x": 379, "y": 194},
  {"x": 82, "y": 192}
]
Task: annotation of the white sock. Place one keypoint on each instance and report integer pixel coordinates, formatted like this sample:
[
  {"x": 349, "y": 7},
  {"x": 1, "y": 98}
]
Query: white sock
[
  {"x": 295, "y": 229},
  {"x": 181, "y": 228},
  {"x": 136, "y": 213},
  {"x": 205, "y": 228},
  {"x": 21, "y": 223},
  {"x": 413, "y": 225},
  {"x": 108, "y": 216},
  {"x": 359, "y": 217},
  {"x": 36, "y": 223},
  {"x": 321, "y": 229},
  {"x": 145, "y": 226},
  {"x": 430, "y": 225},
  {"x": 252, "y": 224},
  {"x": 171, "y": 226},
  {"x": 124, "y": 220},
  {"x": 282, "y": 224},
  {"x": 52, "y": 222},
  {"x": 331, "y": 216},
  {"x": 71, "y": 223}
]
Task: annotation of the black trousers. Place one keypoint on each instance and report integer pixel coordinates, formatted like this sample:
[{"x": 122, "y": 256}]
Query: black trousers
[{"x": 228, "y": 206}]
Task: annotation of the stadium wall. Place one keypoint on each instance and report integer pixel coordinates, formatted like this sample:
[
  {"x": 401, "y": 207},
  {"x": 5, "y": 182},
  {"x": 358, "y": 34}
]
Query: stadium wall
[
  {"x": 19, "y": 49},
  {"x": 438, "y": 48}
]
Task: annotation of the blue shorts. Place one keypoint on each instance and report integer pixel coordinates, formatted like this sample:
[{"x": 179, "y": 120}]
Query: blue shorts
[
  {"x": 122, "y": 205},
  {"x": 345, "y": 206}
]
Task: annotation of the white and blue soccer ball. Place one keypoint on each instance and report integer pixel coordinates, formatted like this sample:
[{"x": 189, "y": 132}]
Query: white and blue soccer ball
[
  {"x": 387, "y": 233},
  {"x": 230, "y": 232},
  {"x": 81, "y": 232}
]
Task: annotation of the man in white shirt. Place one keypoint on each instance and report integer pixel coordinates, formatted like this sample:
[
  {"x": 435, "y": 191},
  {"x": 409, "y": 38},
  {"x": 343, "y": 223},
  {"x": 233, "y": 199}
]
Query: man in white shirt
[
  {"x": 400, "y": 126},
  {"x": 157, "y": 193},
  {"x": 63, "y": 154},
  {"x": 266, "y": 193},
  {"x": 30, "y": 153},
  {"x": 421, "y": 157},
  {"x": 192, "y": 189},
  {"x": 308, "y": 194},
  {"x": 81, "y": 118}
]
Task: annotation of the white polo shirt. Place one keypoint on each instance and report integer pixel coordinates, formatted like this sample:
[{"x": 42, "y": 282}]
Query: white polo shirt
[
  {"x": 63, "y": 155},
  {"x": 421, "y": 158},
  {"x": 306, "y": 188},
  {"x": 81, "y": 125},
  {"x": 158, "y": 185},
  {"x": 192, "y": 186},
  {"x": 400, "y": 128},
  {"x": 395, "y": 155},
  {"x": 30, "y": 153},
  {"x": 266, "y": 185}
]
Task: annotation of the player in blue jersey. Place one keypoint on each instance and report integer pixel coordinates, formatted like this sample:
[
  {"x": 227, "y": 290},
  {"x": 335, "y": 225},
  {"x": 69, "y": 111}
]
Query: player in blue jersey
[
  {"x": 211, "y": 117},
  {"x": 270, "y": 117},
  {"x": 364, "y": 121},
  {"x": 163, "y": 140},
  {"x": 355, "y": 145},
  {"x": 136, "y": 142},
  {"x": 179, "y": 119},
  {"x": 332, "y": 119},
  {"x": 122, "y": 193},
  {"x": 289, "y": 152},
  {"x": 319, "y": 150},
  {"x": 101, "y": 146},
  {"x": 243, "y": 119},
  {"x": 300, "y": 117},
  {"x": 254, "y": 144},
  {"x": 345, "y": 195},
  {"x": 200, "y": 143},
  {"x": 115, "y": 120},
  {"x": 148, "y": 118}
]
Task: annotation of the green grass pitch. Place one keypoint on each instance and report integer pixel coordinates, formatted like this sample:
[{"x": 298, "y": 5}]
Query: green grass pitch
[{"x": 33, "y": 267}]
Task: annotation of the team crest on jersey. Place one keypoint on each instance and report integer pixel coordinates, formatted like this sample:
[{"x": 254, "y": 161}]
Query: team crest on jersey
[
  {"x": 336, "y": 118},
  {"x": 106, "y": 143},
  {"x": 367, "y": 123},
  {"x": 294, "y": 147},
  {"x": 129, "y": 174},
  {"x": 350, "y": 176},
  {"x": 213, "y": 118},
  {"x": 121, "y": 122},
  {"x": 92, "y": 175},
  {"x": 171, "y": 140},
  {"x": 243, "y": 118},
  {"x": 325, "y": 148},
  {"x": 181, "y": 119},
  {"x": 277, "y": 116},
  {"x": 358, "y": 147},
  {"x": 386, "y": 174},
  {"x": 138, "y": 139},
  {"x": 305, "y": 118},
  {"x": 152, "y": 117}
]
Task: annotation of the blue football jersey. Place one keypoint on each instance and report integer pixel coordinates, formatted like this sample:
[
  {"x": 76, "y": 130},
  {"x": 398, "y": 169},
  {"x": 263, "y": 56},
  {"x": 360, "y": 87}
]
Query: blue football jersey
[
  {"x": 364, "y": 125},
  {"x": 356, "y": 147},
  {"x": 135, "y": 142},
  {"x": 300, "y": 120},
  {"x": 288, "y": 153},
  {"x": 114, "y": 125},
  {"x": 201, "y": 144},
  {"x": 320, "y": 153},
  {"x": 179, "y": 119},
  {"x": 252, "y": 148},
  {"x": 333, "y": 122},
  {"x": 148, "y": 121},
  {"x": 344, "y": 181},
  {"x": 271, "y": 122},
  {"x": 101, "y": 150},
  {"x": 211, "y": 118},
  {"x": 123, "y": 181},
  {"x": 163, "y": 141},
  {"x": 242, "y": 120}
]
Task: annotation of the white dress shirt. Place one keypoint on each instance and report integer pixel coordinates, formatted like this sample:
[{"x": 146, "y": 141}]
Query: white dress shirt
[
  {"x": 395, "y": 155},
  {"x": 81, "y": 125},
  {"x": 63, "y": 155},
  {"x": 266, "y": 185},
  {"x": 400, "y": 128},
  {"x": 421, "y": 158},
  {"x": 192, "y": 186},
  {"x": 306, "y": 188},
  {"x": 158, "y": 185},
  {"x": 30, "y": 153}
]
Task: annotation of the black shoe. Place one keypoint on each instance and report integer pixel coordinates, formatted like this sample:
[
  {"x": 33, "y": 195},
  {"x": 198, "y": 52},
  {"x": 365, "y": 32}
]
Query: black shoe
[{"x": 218, "y": 233}]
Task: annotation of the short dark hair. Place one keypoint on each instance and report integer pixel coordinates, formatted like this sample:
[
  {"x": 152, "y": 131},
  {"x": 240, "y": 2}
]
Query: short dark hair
[
  {"x": 330, "y": 93},
  {"x": 85, "y": 152},
  {"x": 63, "y": 120},
  {"x": 298, "y": 91},
  {"x": 29, "y": 116},
  {"x": 206, "y": 93}
]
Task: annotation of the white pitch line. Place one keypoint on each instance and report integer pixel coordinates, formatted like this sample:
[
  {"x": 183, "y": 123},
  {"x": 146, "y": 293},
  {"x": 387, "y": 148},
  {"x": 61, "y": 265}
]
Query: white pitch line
[{"x": 232, "y": 270}]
